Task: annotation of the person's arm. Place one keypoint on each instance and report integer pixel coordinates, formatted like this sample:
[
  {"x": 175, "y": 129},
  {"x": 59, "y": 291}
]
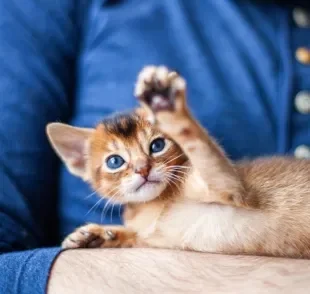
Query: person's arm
[{"x": 167, "y": 271}]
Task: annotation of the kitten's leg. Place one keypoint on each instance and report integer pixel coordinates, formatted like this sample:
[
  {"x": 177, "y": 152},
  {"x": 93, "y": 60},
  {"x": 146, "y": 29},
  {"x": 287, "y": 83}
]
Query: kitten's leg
[
  {"x": 163, "y": 94},
  {"x": 97, "y": 236}
]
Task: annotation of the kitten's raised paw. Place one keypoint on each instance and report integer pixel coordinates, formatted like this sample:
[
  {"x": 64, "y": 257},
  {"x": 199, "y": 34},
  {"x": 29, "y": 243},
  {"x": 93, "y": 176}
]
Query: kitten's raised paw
[
  {"x": 91, "y": 236},
  {"x": 160, "y": 89}
]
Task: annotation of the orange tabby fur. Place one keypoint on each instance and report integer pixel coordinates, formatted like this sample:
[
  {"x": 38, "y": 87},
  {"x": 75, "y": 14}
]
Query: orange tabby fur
[{"x": 257, "y": 207}]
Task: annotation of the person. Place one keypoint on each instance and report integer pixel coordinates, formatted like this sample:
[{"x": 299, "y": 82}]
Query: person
[{"x": 247, "y": 64}]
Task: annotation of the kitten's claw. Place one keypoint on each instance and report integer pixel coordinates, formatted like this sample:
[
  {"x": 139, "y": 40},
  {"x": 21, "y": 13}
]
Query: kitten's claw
[
  {"x": 160, "y": 89},
  {"x": 90, "y": 236}
]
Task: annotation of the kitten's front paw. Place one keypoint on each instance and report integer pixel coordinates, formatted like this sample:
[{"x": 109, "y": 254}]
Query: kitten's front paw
[
  {"x": 90, "y": 236},
  {"x": 160, "y": 89}
]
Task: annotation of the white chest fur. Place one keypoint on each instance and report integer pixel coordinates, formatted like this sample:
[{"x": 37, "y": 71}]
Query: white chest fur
[{"x": 209, "y": 227}]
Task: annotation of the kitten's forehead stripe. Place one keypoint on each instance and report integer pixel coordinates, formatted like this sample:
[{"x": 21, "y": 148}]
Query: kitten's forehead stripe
[{"x": 124, "y": 125}]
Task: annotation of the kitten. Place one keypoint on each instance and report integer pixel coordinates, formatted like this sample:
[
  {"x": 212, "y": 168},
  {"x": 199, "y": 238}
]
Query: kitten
[{"x": 179, "y": 189}]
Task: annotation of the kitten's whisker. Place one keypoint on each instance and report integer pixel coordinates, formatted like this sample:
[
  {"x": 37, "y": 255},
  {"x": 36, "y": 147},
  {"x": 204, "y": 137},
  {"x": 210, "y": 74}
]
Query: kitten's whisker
[
  {"x": 161, "y": 168},
  {"x": 119, "y": 211},
  {"x": 111, "y": 198},
  {"x": 110, "y": 192},
  {"x": 169, "y": 174},
  {"x": 169, "y": 158},
  {"x": 106, "y": 206},
  {"x": 170, "y": 182},
  {"x": 95, "y": 205},
  {"x": 179, "y": 166},
  {"x": 177, "y": 183},
  {"x": 174, "y": 158},
  {"x": 179, "y": 180},
  {"x": 102, "y": 216},
  {"x": 176, "y": 168},
  {"x": 172, "y": 169},
  {"x": 91, "y": 194},
  {"x": 175, "y": 172},
  {"x": 112, "y": 211}
]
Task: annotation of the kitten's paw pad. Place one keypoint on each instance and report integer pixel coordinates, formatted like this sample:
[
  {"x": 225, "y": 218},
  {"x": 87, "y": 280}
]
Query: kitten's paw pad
[
  {"x": 89, "y": 236},
  {"x": 160, "y": 89}
]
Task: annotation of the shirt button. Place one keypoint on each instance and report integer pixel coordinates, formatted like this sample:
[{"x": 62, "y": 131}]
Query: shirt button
[
  {"x": 302, "y": 102},
  {"x": 302, "y": 152},
  {"x": 301, "y": 17},
  {"x": 303, "y": 55}
]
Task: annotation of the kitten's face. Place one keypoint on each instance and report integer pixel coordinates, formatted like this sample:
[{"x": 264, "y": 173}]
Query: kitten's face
[
  {"x": 130, "y": 161},
  {"x": 124, "y": 158}
]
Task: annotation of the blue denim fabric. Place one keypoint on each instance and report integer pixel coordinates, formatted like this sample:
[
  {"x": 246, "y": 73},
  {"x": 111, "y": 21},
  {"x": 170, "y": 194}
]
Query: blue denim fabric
[{"x": 39, "y": 44}]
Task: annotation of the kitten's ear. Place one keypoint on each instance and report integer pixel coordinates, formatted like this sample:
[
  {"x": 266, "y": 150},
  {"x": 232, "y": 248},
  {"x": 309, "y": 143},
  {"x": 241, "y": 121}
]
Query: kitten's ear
[{"x": 70, "y": 144}]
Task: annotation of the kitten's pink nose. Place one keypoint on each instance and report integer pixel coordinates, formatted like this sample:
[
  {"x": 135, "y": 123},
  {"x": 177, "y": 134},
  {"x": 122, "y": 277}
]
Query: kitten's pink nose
[{"x": 142, "y": 168}]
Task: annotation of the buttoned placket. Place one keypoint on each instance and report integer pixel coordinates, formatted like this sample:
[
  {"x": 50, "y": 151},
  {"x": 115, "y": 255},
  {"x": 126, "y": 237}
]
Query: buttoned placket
[{"x": 301, "y": 104}]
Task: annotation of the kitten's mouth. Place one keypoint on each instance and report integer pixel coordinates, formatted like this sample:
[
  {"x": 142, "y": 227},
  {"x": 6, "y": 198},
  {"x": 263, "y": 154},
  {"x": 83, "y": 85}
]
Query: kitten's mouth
[{"x": 146, "y": 182}]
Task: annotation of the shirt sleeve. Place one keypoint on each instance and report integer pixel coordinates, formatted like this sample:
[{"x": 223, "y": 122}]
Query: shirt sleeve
[
  {"x": 26, "y": 272},
  {"x": 38, "y": 45}
]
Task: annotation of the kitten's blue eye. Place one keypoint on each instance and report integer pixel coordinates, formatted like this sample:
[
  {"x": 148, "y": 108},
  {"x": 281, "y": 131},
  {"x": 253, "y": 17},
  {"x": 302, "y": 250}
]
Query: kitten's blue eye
[
  {"x": 115, "y": 161},
  {"x": 157, "y": 145}
]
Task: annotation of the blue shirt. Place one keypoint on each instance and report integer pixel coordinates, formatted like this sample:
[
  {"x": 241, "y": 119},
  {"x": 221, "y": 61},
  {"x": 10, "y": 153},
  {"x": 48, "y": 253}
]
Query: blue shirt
[{"x": 77, "y": 61}]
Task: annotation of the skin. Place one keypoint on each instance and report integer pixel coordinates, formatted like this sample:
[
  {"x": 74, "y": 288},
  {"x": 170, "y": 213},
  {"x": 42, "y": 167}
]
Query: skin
[{"x": 166, "y": 271}]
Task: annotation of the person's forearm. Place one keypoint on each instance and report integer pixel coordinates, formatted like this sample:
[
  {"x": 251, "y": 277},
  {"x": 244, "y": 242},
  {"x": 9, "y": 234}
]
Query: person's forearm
[{"x": 167, "y": 271}]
